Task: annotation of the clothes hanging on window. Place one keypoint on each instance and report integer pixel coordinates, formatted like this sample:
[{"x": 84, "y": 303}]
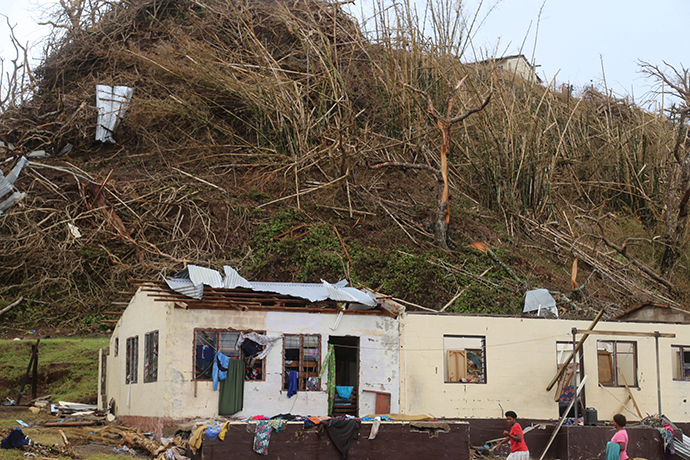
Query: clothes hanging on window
[
  {"x": 261, "y": 339},
  {"x": 250, "y": 348},
  {"x": 292, "y": 384},
  {"x": 220, "y": 369},
  {"x": 231, "y": 394}
]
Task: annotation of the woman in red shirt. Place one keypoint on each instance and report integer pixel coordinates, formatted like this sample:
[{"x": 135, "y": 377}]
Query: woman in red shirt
[{"x": 518, "y": 448}]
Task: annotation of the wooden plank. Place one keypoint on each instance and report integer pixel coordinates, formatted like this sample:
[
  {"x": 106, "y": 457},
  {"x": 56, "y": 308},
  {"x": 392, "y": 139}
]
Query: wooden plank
[
  {"x": 457, "y": 365},
  {"x": 631, "y": 334},
  {"x": 624, "y": 405},
  {"x": 639, "y": 413},
  {"x": 605, "y": 367},
  {"x": 578, "y": 347},
  {"x": 565, "y": 414}
]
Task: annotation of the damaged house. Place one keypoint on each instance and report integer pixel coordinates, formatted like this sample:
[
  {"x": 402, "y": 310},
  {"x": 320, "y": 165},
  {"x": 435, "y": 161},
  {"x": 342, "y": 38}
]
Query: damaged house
[
  {"x": 205, "y": 346},
  {"x": 275, "y": 342},
  {"x": 479, "y": 366}
]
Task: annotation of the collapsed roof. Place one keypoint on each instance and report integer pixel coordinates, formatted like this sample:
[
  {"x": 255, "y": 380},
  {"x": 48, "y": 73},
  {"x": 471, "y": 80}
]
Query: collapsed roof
[{"x": 191, "y": 281}]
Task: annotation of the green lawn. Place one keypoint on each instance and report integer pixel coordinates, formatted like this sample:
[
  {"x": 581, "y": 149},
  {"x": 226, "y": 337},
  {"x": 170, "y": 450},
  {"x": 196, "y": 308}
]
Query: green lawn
[{"x": 67, "y": 368}]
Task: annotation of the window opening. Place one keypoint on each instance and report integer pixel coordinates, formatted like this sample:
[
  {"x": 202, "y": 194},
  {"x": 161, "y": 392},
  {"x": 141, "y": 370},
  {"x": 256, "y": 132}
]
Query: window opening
[
  {"x": 465, "y": 359},
  {"x": 617, "y": 363},
  {"x": 302, "y": 354},
  {"x": 151, "y": 357},
  {"x": 208, "y": 342},
  {"x": 132, "y": 362}
]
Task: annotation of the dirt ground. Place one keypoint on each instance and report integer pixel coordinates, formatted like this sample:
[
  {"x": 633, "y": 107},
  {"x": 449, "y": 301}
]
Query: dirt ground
[{"x": 85, "y": 441}]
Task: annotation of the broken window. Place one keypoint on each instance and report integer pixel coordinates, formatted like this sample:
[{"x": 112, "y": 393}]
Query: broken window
[
  {"x": 151, "y": 357},
  {"x": 566, "y": 388},
  {"x": 209, "y": 341},
  {"x": 132, "y": 361},
  {"x": 302, "y": 354},
  {"x": 465, "y": 359},
  {"x": 617, "y": 362},
  {"x": 681, "y": 362}
]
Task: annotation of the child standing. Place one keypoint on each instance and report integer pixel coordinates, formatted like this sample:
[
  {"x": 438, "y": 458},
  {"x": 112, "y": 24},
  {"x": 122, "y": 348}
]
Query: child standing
[{"x": 518, "y": 448}]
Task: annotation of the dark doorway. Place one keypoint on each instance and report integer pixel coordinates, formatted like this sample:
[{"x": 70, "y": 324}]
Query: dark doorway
[{"x": 346, "y": 374}]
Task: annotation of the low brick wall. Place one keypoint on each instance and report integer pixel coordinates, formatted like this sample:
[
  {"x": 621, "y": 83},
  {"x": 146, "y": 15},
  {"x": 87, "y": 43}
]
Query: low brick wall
[{"x": 394, "y": 440}]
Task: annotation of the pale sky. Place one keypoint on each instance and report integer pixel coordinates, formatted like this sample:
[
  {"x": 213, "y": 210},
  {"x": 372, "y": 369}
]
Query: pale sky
[{"x": 574, "y": 36}]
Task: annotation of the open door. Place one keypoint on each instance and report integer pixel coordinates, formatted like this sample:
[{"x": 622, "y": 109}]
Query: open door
[{"x": 346, "y": 375}]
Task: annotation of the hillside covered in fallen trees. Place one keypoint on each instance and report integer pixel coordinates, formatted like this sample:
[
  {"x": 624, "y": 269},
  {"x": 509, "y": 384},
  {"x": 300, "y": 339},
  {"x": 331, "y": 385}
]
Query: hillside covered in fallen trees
[{"x": 281, "y": 139}]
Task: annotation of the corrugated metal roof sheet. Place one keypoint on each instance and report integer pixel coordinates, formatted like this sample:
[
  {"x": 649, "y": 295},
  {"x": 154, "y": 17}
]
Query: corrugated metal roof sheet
[
  {"x": 315, "y": 292},
  {"x": 7, "y": 183},
  {"x": 194, "y": 275},
  {"x": 112, "y": 102},
  {"x": 16, "y": 196},
  {"x": 203, "y": 275},
  {"x": 186, "y": 287},
  {"x": 233, "y": 279}
]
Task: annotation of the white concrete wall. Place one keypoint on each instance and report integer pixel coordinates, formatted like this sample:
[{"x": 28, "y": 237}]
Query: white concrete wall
[
  {"x": 142, "y": 316},
  {"x": 177, "y": 395},
  {"x": 521, "y": 361},
  {"x": 520, "y": 66}
]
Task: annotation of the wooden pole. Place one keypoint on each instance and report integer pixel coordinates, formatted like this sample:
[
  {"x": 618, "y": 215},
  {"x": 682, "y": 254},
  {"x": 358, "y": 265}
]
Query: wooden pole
[
  {"x": 658, "y": 372},
  {"x": 34, "y": 377},
  {"x": 625, "y": 381},
  {"x": 577, "y": 350},
  {"x": 565, "y": 414},
  {"x": 28, "y": 370}
]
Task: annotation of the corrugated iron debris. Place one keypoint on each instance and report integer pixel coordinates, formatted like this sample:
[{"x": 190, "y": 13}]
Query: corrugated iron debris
[
  {"x": 192, "y": 279},
  {"x": 112, "y": 102},
  {"x": 7, "y": 185}
]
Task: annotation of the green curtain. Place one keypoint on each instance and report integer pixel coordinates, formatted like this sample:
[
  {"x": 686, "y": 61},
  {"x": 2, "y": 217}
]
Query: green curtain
[
  {"x": 231, "y": 390},
  {"x": 329, "y": 362}
]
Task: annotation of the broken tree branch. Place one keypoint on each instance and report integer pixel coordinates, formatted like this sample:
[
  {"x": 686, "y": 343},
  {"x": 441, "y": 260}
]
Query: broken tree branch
[{"x": 16, "y": 302}]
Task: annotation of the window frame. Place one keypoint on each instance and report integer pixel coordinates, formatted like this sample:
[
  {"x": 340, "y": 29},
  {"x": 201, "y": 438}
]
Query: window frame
[
  {"x": 301, "y": 378},
  {"x": 682, "y": 370},
  {"x": 116, "y": 347},
  {"x": 217, "y": 331},
  {"x": 614, "y": 357},
  {"x": 449, "y": 349},
  {"x": 132, "y": 361},
  {"x": 151, "y": 357}
]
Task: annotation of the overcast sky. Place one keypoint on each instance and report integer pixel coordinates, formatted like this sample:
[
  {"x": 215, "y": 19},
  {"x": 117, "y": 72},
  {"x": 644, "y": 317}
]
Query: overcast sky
[{"x": 572, "y": 39}]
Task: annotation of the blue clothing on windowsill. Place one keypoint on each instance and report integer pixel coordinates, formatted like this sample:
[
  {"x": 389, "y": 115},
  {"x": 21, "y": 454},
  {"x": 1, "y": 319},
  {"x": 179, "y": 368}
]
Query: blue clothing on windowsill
[
  {"x": 292, "y": 384},
  {"x": 220, "y": 369}
]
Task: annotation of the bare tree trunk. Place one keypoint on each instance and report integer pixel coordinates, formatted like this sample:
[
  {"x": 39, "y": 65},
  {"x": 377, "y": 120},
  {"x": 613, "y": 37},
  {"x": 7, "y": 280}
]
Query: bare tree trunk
[
  {"x": 444, "y": 124},
  {"x": 679, "y": 165},
  {"x": 675, "y": 228}
]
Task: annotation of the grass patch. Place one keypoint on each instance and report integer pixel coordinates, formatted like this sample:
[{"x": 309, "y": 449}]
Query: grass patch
[{"x": 67, "y": 368}]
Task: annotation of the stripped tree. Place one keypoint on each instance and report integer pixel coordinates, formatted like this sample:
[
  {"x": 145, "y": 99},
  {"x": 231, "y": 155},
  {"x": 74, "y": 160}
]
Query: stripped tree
[
  {"x": 444, "y": 123},
  {"x": 678, "y": 193}
]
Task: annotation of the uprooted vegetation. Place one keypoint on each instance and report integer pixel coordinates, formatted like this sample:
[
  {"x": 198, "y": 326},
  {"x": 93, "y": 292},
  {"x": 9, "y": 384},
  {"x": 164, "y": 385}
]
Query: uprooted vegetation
[{"x": 278, "y": 138}]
